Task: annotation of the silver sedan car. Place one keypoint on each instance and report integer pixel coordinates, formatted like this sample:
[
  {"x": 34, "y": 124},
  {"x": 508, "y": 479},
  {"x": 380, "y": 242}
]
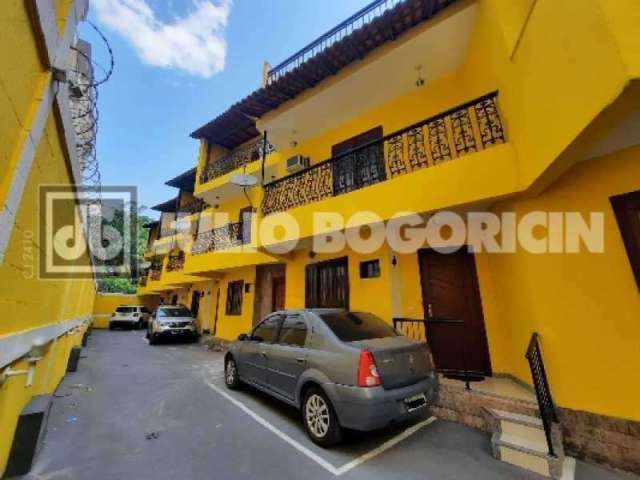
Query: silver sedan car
[{"x": 342, "y": 369}]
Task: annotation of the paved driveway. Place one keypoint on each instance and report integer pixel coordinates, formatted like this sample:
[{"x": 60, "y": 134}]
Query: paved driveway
[{"x": 133, "y": 411}]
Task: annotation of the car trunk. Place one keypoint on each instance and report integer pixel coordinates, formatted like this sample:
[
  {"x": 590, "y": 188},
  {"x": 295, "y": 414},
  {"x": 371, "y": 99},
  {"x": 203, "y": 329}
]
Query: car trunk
[{"x": 399, "y": 362}]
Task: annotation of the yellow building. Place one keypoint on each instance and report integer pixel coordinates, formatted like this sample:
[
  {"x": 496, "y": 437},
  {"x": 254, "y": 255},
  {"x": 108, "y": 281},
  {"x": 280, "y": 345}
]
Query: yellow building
[
  {"x": 44, "y": 318},
  {"x": 506, "y": 108}
]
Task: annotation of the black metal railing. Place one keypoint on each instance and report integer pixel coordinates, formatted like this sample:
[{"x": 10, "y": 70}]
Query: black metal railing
[
  {"x": 175, "y": 262},
  {"x": 367, "y": 14},
  {"x": 237, "y": 158},
  {"x": 543, "y": 393},
  {"x": 467, "y": 128},
  {"x": 222, "y": 238},
  {"x": 411, "y": 328},
  {"x": 154, "y": 274}
]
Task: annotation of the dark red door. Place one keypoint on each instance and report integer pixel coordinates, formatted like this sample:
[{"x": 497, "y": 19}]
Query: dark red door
[
  {"x": 453, "y": 312},
  {"x": 278, "y": 291}
]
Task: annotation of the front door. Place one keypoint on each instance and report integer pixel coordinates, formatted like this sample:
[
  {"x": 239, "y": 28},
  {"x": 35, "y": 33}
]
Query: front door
[
  {"x": 277, "y": 293},
  {"x": 453, "y": 312}
]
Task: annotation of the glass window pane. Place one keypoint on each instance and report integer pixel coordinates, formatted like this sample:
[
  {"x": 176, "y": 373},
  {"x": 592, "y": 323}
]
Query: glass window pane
[
  {"x": 293, "y": 331},
  {"x": 354, "y": 326},
  {"x": 267, "y": 330}
]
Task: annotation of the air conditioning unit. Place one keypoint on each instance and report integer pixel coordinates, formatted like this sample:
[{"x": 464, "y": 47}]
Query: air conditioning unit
[{"x": 297, "y": 163}]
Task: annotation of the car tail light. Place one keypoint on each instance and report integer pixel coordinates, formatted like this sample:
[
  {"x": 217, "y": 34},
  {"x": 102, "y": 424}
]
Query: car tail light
[{"x": 367, "y": 372}]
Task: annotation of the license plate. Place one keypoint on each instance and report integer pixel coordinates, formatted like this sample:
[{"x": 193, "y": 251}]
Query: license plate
[
  {"x": 176, "y": 332},
  {"x": 415, "y": 402}
]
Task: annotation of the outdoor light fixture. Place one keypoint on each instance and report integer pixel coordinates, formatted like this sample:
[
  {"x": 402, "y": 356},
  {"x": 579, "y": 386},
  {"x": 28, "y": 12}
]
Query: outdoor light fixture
[{"x": 420, "y": 80}]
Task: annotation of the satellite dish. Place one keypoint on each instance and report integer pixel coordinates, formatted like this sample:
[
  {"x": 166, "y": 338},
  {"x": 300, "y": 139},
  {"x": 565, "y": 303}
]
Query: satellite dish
[{"x": 243, "y": 180}]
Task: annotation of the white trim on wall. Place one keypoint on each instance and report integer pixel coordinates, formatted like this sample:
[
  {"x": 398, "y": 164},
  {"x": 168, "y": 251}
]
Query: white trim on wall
[
  {"x": 57, "y": 49},
  {"x": 17, "y": 345}
]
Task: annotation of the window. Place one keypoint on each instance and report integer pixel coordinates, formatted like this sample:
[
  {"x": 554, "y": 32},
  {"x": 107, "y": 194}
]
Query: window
[
  {"x": 125, "y": 309},
  {"x": 362, "y": 167},
  {"x": 293, "y": 331},
  {"x": 267, "y": 330},
  {"x": 370, "y": 269},
  {"x": 173, "y": 312},
  {"x": 327, "y": 284},
  {"x": 627, "y": 210},
  {"x": 354, "y": 326},
  {"x": 145, "y": 310},
  {"x": 235, "y": 291}
]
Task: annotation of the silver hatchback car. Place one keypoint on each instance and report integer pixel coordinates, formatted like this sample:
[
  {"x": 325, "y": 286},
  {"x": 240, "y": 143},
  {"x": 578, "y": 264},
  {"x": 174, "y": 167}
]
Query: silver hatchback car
[{"x": 342, "y": 369}]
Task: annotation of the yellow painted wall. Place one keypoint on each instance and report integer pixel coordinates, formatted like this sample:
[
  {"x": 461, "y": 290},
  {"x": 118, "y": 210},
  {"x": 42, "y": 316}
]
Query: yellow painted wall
[
  {"x": 20, "y": 84},
  {"x": 370, "y": 295},
  {"x": 230, "y": 326},
  {"x": 28, "y": 302},
  {"x": 585, "y": 306},
  {"x": 106, "y": 303}
]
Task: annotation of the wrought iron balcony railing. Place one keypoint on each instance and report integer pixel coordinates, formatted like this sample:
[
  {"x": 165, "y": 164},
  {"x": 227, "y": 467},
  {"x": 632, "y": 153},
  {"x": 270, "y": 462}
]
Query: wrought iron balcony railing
[
  {"x": 195, "y": 206},
  {"x": 337, "y": 33},
  {"x": 235, "y": 159},
  {"x": 175, "y": 262},
  {"x": 222, "y": 238},
  {"x": 464, "y": 129},
  {"x": 154, "y": 274}
]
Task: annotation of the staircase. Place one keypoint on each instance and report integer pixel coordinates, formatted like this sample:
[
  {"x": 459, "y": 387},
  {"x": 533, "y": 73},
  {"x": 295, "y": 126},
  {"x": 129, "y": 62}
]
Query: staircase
[
  {"x": 521, "y": 440},
  {"x": 533, "y": 442}
]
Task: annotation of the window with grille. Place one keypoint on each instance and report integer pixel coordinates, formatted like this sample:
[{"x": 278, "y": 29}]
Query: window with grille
[
  {"x": 235, "y": 291},
  {"x": 327, "y": 284}
]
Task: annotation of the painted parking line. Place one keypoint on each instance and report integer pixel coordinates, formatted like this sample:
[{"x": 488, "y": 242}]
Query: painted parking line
[{"x": 337, "y": 471}]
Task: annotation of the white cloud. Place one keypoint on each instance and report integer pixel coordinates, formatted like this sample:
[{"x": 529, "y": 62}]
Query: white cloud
[{"x": 193, "y": 43}]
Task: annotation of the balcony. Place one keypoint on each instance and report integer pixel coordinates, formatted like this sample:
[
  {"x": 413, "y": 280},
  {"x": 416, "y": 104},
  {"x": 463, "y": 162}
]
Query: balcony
[
  {"x": 472, "y": 127},
  {"x": 175, "y": 262},
  {"x": 237, "y": 158},
  {"x": 222, "y": 248},
  {"x": 196, "y": 205},
  {"x": 378, "y": 22},
  {"x": 222, "y": 238}
]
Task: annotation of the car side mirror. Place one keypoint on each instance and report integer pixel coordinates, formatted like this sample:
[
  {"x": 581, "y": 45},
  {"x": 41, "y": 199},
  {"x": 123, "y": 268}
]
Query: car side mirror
[{"x": 243, "y": 337}]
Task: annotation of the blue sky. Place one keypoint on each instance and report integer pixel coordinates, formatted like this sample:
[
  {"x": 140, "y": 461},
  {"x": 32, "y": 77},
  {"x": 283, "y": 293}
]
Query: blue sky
[{"x": 165, "y": 83}]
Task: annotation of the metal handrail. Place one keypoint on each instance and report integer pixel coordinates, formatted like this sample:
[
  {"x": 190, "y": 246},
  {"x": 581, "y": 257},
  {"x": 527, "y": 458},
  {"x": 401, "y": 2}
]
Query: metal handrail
[
  {"x": 357, "y": 20},
  {"x": 546, "y": 406}
]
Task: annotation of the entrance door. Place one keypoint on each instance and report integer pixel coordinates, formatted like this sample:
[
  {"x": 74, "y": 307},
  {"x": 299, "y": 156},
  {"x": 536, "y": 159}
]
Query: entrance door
[
  {"x": 277, "y": 293},
  {"x": 453, "y": 312}
]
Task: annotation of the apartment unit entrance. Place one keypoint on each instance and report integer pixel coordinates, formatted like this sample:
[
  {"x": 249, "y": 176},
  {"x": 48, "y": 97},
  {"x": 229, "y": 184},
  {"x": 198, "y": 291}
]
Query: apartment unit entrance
[
  {"x": 271, "y": 287},
  {"x": 453, "y": 312}
]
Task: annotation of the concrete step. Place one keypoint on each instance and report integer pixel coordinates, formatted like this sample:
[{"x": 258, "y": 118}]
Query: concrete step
[
  {"x": 530, "y": 455},
  {"x": 518, "y": 425},
  {"x": 520, "y": 440}
]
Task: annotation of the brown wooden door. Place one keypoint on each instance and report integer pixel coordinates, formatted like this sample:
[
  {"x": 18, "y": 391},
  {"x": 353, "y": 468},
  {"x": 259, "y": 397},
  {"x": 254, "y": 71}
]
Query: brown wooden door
[
  {"x": 277, "y": 291},
  {"x": 453, "y": 312}
]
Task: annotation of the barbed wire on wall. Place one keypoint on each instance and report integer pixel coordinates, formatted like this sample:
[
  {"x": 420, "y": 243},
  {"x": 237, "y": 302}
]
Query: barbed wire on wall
[{"x": 83, "y": 100}]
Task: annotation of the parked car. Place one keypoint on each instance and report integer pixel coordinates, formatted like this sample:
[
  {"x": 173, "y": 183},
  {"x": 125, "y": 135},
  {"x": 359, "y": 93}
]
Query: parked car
[
  {"x": 132, "y": 316},
  {"x": 342, "y": 369},
  {"x": 172, "y": 321}
]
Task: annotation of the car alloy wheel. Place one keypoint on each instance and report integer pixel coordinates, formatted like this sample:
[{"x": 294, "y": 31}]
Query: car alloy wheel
[
  {"x": 317, "y": 415},
  {"x": 231, "y": 378}
]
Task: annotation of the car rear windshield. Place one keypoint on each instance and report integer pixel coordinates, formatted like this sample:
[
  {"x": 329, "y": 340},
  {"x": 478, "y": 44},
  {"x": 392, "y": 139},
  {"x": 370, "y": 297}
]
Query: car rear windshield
[
  {"x": 125, "y": 309},
  {"x": 173, "y": 312},
  {"x": 354, "y": 326}
]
